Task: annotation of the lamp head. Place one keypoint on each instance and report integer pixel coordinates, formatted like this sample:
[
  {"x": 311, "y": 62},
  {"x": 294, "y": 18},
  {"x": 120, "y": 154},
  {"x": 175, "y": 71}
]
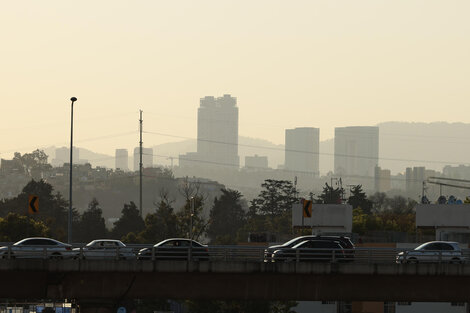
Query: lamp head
[{"x": 73, "y": 99}]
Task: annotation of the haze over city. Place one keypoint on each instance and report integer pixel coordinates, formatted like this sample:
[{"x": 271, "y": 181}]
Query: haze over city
[{"x": 311, "y": 64}]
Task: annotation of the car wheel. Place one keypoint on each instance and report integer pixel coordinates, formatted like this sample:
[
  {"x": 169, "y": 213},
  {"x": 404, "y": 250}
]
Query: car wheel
[
  {"x": 5, "y": 255},
  {"x": 412, "y": 260},
  {"x": 456, "y": 261}
]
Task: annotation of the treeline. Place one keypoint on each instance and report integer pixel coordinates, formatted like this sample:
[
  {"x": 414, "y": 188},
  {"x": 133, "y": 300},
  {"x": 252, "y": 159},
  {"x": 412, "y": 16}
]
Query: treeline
[{"x": 230, "y": 220}]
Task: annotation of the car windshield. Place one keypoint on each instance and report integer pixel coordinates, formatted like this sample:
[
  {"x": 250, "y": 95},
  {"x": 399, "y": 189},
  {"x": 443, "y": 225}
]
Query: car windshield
[{"x": 295, "y": 241}]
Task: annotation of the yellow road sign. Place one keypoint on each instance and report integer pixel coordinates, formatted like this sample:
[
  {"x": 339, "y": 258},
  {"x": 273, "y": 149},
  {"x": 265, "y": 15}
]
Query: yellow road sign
[
  {"x": 33, "y": 204},
  {"x": 307, "y": 208}
]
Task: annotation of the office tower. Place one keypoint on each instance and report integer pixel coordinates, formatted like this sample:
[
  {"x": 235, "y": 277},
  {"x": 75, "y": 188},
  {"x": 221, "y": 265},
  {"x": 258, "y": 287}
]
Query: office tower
[
  {"x": 147, "y": 158},
  {"x": 122, "y": 159},
  {"x": 356, "y": 151},
  {"x": 414, "y": 181},
  {"x": 217, "y": 132},
  {"x": 62, "y": 155},
  {"x": 256, "y": 162},
  {"x": 382, "y": 180},
  {"x": 302, "y": 150}
]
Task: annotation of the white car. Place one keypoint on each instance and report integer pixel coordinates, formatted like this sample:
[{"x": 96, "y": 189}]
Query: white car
[
  {"x": 105, "y": 249},
  {"x": 37, "y": 247},
  {"x": 433, "y": 252}
]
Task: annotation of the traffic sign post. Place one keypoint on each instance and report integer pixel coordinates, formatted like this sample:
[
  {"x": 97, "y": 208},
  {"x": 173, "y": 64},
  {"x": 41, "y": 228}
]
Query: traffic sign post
[{"x": 33, "y": 204}]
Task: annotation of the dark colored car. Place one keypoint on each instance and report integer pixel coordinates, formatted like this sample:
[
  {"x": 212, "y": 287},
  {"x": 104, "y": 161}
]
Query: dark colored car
[
  {"x": 345, "y": 243},
  {"x": 176, "y": 249},
  {"x": 311, "y": 250}
]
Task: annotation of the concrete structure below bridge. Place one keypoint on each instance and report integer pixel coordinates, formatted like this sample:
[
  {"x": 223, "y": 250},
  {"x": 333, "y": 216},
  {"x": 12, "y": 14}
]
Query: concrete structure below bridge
[{"x": 100, "y": 280}]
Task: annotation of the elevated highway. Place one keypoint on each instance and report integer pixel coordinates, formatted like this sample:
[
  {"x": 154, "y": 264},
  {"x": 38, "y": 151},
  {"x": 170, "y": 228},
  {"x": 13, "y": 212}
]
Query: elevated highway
[{"x": 232, "y": 279}]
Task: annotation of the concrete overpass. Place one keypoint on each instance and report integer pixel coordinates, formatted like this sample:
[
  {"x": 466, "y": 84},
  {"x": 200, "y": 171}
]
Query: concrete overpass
[{"x": 115, "y": 280}]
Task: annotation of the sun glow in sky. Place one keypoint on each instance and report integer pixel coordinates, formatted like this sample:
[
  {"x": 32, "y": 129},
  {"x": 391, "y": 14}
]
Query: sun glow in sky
[{"x": 289, "y": 63}]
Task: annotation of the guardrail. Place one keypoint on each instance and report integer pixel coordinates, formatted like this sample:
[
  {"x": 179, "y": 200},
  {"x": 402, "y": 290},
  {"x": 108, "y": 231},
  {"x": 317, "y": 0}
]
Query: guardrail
[{"x": 236, "y": 253}]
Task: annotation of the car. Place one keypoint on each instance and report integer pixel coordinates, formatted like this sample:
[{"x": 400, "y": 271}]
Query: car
[
  {"x": 345, "y": 243},
  {"x": 176, "y": 249},
  {"x": 105, "y": 249},
  {"x": 37, "y": 247},
  {"x": 311, "y": 250},
  {"x": 433, "y": 252}
]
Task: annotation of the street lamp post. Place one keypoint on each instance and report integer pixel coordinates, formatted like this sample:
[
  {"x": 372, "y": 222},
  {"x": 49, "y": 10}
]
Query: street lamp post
[
  {"x": 191, "y": 208},
  {"x": 69, "y": 237}
]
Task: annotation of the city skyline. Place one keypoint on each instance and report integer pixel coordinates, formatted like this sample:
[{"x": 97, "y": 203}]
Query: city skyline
[{"x": 313, "y": 64}]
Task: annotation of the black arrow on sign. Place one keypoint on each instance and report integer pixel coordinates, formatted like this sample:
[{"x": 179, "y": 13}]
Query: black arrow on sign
[{"x": 31, "y": 204}]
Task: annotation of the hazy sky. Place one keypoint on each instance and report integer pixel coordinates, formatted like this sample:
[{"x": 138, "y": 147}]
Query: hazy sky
[{"x": 289, "y": 63}]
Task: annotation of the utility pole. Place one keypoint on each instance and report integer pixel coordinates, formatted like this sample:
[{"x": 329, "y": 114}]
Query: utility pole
[
  {"x": 69, "y": 235},
  {"x": 140, "y": 164}
]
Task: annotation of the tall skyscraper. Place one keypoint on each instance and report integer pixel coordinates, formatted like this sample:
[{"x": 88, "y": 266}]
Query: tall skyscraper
[
  {"x": 302, "y": 150},
  {"x": 356, "y": 151},
  {"x": 122, "y": 159},
  {"x": 147, "y": 157},
  {"x": 217, "y": 131}
]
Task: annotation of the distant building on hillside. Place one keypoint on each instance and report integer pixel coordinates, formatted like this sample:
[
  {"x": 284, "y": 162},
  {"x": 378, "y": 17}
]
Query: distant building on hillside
[
  {"x": 122, "y": 159},
  {"x": 147, "y": 157},
  {"x": 256, "y": 162},
  {"x": 302, "y": 150},
  {"x": 356, "y": 151},
  {"x": 62, "y": 155}
]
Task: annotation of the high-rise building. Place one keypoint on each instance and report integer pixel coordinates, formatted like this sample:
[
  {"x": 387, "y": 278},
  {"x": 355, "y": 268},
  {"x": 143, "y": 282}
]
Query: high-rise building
[
  {"x": 356, "y": 151},
  {"x": 382, "y": 180},
  {"x": 217, "y": 131},
  {"x": 147, "y": 157},
  {"x": 62, "y": 155},
  {"x": 302, "y": 150},
  {"x": 122, "y": 159}
]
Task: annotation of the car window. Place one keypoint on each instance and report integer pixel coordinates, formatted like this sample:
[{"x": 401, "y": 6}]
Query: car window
[
  {"x": 431, "y": 246},
  {"x": 445, "y": 246},
  {"x": 32, "y": 242},
  {"x": 45, "y": 242},
  {"x": 196, "y": 244},
  {"x": 327, "y": 244}
]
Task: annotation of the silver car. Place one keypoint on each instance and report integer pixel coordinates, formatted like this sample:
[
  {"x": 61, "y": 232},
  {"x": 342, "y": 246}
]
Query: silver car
[
  {"x": 105, "y": 249},
  {"x": 433, "y": 252},
  {"x": 37, "y": 247}
]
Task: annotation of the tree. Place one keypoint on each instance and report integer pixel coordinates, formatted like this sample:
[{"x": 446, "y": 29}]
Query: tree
[
  {"x": 271, "y": 211},
  {"x": 32, "y": 163},
  {"x": 53, "y": 208},
  {"x": 276, "y": 197},
  {"x": 199, "y": 224},
  {"x": 226, "y": 217},
  {"x": 162, "y": 224},
  {"x": 358, "y": 199},
  {"x": 191, "y": 190},
  {"x": 130, "y": 221},
  {"x": 92, "y": 224},
  {"x": 331, "y": 195},
  {"x": 15, "y": 227}
]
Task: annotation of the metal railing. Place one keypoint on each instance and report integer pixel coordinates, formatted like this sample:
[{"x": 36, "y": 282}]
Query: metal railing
[{"x": 236, "y": 254}]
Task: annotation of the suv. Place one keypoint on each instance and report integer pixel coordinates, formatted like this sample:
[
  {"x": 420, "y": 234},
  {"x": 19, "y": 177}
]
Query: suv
[
  {"x": 311, "y": 250},
  {"x": 344, "y": 242}
]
